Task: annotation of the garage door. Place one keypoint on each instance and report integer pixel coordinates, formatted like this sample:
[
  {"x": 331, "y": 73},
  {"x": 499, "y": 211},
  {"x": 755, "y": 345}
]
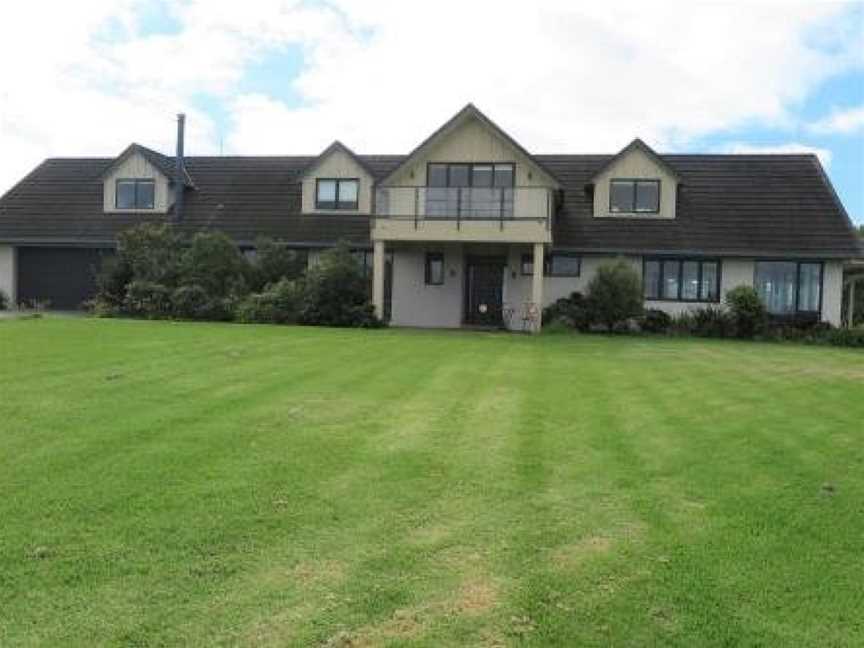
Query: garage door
[{"x": 64, "y": 277}]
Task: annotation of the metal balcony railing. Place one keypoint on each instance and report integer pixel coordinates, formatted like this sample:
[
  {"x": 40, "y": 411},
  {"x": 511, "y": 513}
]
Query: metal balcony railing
[{"x": 459, "y": 204}]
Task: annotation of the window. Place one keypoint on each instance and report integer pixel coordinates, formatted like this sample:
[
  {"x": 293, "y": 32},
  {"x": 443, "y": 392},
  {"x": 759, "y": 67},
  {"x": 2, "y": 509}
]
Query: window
[
  {"x": 527, "y": 264},
  {"x": 478, "y": 190},
  {"x": 563, "y": 264},
  {"x": 634, "y": 196},
  {"x": 332, "y": 193},
  {"x": 137, "y": 193},
  {"x": 434, "y": 268},
  {"x": 681, "y": 280},
  {"x": 789, "y": 287}
]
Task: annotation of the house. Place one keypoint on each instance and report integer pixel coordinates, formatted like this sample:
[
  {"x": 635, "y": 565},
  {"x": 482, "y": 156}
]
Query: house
[{"x": 469, "y": 228}]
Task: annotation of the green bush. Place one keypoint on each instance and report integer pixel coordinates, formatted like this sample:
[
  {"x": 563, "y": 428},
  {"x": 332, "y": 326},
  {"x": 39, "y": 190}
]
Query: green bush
[
  {"x": 195, "y": 303},
  {"x": 655, "y": 321},
  {"x": 112, "y": 278},
  {"x": 845, "y": 337},
  {"x": 614, "y": 295},
  {"x": 147, "y": 299},
  {"x": 213, "y": 262},
  {"x": 335, "y": 292},
  {"x": 713, "y": 321},
  {"x": 570, "y": 311},
  {"x": 274, "y": 262},
  {"x": 279, "y": 303},
  {"x": 748, "y": 311},
  {"x": 4, "y": 301},
  {"x": 152, "y": 253}
]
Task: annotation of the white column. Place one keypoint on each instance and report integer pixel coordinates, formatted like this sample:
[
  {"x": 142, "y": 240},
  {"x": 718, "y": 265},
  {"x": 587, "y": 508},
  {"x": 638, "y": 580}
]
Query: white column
[
  {"x": 537, "y": 286},
  {"x": 9, "y": 273},
  {"x": 378, "y": 279},
  {"x": 850, "y": 307}
]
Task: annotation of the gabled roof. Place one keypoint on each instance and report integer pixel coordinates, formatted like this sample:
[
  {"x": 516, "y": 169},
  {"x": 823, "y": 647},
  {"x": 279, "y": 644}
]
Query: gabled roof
[
  {"x": 468, "y": 112},
  {"x": 163, "y": 163},
  {"x": 337, "y": 146},
  {"x": 637, "y": 145}
]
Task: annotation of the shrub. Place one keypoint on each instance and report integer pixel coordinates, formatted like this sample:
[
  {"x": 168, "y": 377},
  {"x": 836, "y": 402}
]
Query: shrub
[
  {"x": 274, "y": 262},
  {"x": 147, "y": 299},
  {"x": 712, "y": 321},
  {"x": 655, "y": 321},
  {"x": 614, "y": 294},
  {"x": 214, "y": 263},
  {"x": 4, "y": 301},
  {"x": 748, "y": 312},
  {"x": 846, "y": 337},
  {"x": 112, "y": 278},
  {"x": 191, "y": 302},
  {"x": 335, "y": 292},
  {"x": 152, "y": 253},
  {"x": 279, "y": 303},
  {"x": 571, "y": 311}
]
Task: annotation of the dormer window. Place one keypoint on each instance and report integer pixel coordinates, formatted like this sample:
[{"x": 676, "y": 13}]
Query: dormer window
[
  {"x": 135, "y": 193},
  {"x": 336, "y": 193},
  {"x": 634, "y": 196}
]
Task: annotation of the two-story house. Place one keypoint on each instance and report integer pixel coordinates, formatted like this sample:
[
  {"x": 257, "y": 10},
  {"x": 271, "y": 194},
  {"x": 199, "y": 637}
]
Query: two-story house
[{"x": 469, "y": 228}]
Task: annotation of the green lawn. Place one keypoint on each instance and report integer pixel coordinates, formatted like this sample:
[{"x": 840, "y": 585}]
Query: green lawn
[{"x": 165, "y": 484}]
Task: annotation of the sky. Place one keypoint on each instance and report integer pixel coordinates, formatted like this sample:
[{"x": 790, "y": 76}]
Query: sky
[{"x": 288, "y": 77}]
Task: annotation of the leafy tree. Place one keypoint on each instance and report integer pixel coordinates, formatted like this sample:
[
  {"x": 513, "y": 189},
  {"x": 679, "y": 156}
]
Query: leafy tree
[
  {"x": 615, "y": 294},
  {"x": 151, "y": 252},
  {"x": 213, "y": 262}
]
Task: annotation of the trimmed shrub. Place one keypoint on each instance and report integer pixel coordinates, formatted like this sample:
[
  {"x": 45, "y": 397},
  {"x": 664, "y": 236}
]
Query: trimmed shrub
[
  {"x": 614, "y": 295},
  {"x": 655, "y": 321},
  {"x": 274, "y": 262},
  {"x": 213, "y": 262},
  {"x": 152, "y": 252},
  {"x": 147, "y": 299},
  {"x": 571, "y": 311},
  {"x": 335, "y": 292},
  {"x": 748, "y": 311},
  {"x": 279, "y": 303}
]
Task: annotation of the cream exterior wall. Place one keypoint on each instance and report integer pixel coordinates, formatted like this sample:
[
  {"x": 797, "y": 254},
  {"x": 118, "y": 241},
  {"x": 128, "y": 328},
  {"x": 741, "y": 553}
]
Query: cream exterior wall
[
  {"x": 338, "y": 165},
  {"x": 832, "y": 292},
  {"x": 137, "y": 166},
  {"x": 416, "y": 304},
  {"x": 9, "y": 273},
  {"x": 636, "y": 164}
]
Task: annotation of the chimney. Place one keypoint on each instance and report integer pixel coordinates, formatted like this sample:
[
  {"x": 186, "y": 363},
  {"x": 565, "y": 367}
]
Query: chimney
[{"x": 179, "y": 167}]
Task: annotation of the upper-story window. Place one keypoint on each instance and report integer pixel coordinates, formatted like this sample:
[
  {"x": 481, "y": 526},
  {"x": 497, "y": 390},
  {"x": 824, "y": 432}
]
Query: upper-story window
[
  {"x": 135, "y": 193},
  {"x": 634, "y": 196},
  {"x": 336, "y": 193},
  {"x": 476, "y": 190}
]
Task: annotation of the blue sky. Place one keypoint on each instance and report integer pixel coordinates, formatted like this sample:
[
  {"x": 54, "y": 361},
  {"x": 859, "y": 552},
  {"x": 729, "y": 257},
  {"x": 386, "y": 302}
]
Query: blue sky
[{"x": 288, "y": 77}]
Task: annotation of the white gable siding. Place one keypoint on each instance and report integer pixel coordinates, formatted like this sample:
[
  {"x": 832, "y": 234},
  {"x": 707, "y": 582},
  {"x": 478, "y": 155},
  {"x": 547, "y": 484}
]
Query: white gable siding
[
  {"x": 635, "y": 164},
  {"x": 339, "y": 165},
  {"x": 137, "y": 166}
]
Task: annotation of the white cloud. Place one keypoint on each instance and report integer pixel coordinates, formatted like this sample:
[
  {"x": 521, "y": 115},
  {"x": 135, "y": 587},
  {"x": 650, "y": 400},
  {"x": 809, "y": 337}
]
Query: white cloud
[
  {"x": 823, "y": 154},
  {"x": 560, "y": 76},
  {"x": 840, "y": 121}
]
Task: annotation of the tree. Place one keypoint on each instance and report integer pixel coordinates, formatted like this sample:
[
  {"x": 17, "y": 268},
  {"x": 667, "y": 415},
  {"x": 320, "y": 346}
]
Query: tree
[{"x": 615, "y": 294}]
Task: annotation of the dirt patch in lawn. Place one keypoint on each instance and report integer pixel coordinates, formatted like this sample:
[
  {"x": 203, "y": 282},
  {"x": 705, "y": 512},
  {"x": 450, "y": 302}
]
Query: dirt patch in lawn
[{"x": 570, "y": 555}]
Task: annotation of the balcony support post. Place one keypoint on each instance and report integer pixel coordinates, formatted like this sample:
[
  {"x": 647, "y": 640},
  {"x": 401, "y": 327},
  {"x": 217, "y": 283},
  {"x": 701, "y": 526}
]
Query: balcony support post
[
  {"x": 537, "y": 288},
  {"x": 378, "y": 279}
]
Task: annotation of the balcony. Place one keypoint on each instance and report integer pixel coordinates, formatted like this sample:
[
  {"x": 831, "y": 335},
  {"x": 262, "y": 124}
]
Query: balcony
[{"x": 483, "y": 214}]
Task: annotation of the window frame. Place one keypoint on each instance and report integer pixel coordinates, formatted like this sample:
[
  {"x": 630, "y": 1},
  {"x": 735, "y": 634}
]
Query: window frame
[
  {"x": 797, "y": 312},
  {"x": 136, "y": 182},
  {"x": 337, "y": 205},
  {"x": 572, "y": 255},
  {"x": 527, "y": 259},
  {"x": 634, "y": 182},
  {"x": 471, "y": 166},
  {"x": 661, "y": 275},
  {"x": 430, "y": 258}
]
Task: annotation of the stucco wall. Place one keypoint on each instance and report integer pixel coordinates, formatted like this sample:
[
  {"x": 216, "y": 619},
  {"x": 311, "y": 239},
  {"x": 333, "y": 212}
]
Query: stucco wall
[
  {"x": 137, "y": 166},
  {"x": 8, "y": 272},
  {"x": 415, "y": 303},
  {"x": 832, "y": 295},
  {"x": 338, "y": 165},
  {"x": 635, "y": 165}
]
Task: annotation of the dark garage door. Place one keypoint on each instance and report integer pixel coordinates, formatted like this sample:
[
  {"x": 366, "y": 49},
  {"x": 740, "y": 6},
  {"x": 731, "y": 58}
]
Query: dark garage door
[{"x": 62, "y": 276}]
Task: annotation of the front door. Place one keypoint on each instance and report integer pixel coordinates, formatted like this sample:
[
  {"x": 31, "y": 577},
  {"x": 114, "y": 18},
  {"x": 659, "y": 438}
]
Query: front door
[{"x": 484, "y": 287}]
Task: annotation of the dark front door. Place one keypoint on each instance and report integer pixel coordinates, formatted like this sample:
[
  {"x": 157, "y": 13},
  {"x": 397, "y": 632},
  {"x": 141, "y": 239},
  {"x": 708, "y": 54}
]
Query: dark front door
[
  {"x": 62, "y": 278},
  {"x": 484, "y": 286}
]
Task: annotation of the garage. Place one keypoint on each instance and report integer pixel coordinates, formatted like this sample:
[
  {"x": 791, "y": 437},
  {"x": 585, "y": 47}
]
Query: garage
[{"x": 62, "y": 277}]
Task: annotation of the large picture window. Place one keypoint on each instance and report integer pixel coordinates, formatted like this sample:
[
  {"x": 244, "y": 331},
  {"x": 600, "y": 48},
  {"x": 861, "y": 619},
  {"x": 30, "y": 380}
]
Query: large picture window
[
  {"x": 634, "y": 196},
  {"x": 556, "y": 264},
  {"x": 336, "y": 193},
  {"x": 789, "y": 287},
  {"x": 135, "y": 193},
  {"x": 477, "y": 190},
  {"x": 694, "y": 280}
]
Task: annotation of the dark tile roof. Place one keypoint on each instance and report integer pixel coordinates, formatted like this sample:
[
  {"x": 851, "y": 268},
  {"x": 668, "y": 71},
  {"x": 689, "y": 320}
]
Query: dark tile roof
[{"x": 727, "y": 204}]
